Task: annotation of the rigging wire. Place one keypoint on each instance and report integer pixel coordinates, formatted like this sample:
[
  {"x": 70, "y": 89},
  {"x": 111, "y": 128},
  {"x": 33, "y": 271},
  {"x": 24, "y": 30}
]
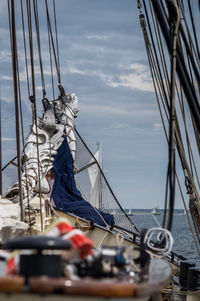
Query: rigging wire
[
  {"x": 190, "y": 40},
  {"x": 52, "y": 43},
  {"x": 188, "y": 218},
  {"x": 11, "y": 14},
  {"x": 194, "y": 28},
  {"x": 104, "y": 178},
  {"x": 153, "y": 69},
  {"x": 160, "y": 48},
  {"x": 157, "y": 9},
  {"x": 51, "y": 63},
  {"x": 25, "y": 49},
  {"x": 28, "y": 87},
  {"x": 155, "y": 54},
  {"x": 33, "y": 99},
  {"x": 56, "y": 33},
  {"x": 175, "y": 20},
  {"x": 181, "y": 66},
  {"x": 37, "y": 27},
  {"x": 190, "y": 150}
]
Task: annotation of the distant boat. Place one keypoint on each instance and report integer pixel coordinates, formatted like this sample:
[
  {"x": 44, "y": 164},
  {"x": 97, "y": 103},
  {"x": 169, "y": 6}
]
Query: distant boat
[
  {"x": 130, "y": 213},
  {"x": 156, "y": 211}
]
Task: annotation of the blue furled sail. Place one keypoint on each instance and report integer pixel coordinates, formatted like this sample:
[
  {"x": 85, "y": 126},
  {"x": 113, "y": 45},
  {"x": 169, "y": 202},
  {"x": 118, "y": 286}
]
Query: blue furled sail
[{"x": 65, "y": 194}]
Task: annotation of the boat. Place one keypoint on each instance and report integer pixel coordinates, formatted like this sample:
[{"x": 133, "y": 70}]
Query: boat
[
  {"x": 54, "y": 153},
  {"x": 156, "y": 211},
  {"x": 130, "y": 213},
  {"x": 59, "y": 203}
]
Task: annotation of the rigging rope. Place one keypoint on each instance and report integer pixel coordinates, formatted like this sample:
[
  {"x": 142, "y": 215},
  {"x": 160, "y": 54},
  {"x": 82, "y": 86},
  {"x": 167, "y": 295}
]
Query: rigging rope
[
  {"x": 52, "y": 43},
  {"x": 56, "y": 33},
  {"x": 11, "y": 14},
  {"x": 160, "y": 96},
  {"x": 37, "y": 27},
  {"x": 33, "y": 98},
  {"x": 25, "y": 49},
  {"x": 174, "y": 25},
  {"x": 194, "y": 28}
]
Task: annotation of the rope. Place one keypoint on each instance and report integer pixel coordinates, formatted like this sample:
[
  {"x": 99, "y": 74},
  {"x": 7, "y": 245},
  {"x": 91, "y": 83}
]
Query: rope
[
  {"x": 37, "y": 27},
  {"x": 159, "y": 95},
  {"x": 163, "y": 236},
  {"x": 25, "y": 50},
  {"x": 174, "y": 26},
  {"x": 11, "y": 14},
  {"x": 56, "y": 32},
  {"x": 33, "y": 98},
  {"x": 184, "y": 203},
  {"x": 189, "y": 35},
  {"x": 107, "y": 226},
  {"x": 52, "y": 43},
  {"x": 51, "y": 64},
  {"x": 194, "y": 29}
]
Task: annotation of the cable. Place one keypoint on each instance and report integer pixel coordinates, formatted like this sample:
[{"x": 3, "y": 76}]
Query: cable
[
  {"x": 52, "y": 43},
  {"x": 11, "y": 14},
  {"x": 37, "y": 27}
]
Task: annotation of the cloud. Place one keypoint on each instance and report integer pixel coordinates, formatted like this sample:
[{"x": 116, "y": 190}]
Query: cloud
[
  {"x": 37, "y": 72},
  {"x": 5, "y": 56},
  {"x": 73, "y": 69},
  {"x": 134, "y": 81},
  {"x": 6, "y": 77},
  {"x": 132, "y": 111},
  {"x": 97, "y": 37},
  {"x": 157, "y": 127},
  {"x": 8, "y": 139},
  {"x": 137, "y": 77},
  {"x": 121, "y": 126}
]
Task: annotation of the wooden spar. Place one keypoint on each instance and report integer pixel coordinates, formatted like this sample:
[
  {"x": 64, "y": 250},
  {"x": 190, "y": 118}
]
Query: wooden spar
[{"x": 15, "y": 85}]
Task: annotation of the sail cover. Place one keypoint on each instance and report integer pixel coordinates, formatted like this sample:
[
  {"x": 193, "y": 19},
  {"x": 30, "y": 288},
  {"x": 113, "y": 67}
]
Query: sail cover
[{"x": 65, "y": 194}]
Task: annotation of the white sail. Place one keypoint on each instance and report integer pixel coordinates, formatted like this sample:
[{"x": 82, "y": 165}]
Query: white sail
[{"x": 95, "y": 181}]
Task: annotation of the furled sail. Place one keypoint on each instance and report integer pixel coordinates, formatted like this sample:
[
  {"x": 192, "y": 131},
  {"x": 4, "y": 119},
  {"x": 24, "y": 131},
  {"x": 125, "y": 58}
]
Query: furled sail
[{"x": 66, "y": 195}]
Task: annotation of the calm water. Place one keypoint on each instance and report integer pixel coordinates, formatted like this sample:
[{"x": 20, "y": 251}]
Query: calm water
[{"x": 183, "y": 239}]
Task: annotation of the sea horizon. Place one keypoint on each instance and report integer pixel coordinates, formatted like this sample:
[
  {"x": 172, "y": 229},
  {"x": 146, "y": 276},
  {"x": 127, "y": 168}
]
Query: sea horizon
[{"x": 135, "y": 210}]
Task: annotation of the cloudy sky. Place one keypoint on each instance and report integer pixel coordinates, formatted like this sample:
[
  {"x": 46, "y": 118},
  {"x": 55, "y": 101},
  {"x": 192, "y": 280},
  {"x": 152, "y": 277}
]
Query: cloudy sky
[{"x": 103, "y": 60}]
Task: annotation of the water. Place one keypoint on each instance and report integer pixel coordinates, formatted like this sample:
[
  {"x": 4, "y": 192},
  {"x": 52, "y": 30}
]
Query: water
[{"x": 183, "y": 240}]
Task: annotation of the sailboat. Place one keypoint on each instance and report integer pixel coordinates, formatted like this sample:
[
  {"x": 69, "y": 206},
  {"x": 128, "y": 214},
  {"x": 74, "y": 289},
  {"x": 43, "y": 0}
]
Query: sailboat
[
  {"x": 156, "y": 211},
  {"x": 130, "y": 213},
  {"x": 55, "y": 154}
]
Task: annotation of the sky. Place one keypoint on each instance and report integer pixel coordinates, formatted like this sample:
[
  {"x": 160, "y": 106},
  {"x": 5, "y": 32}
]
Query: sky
[{"x": 103, "y": 60}]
